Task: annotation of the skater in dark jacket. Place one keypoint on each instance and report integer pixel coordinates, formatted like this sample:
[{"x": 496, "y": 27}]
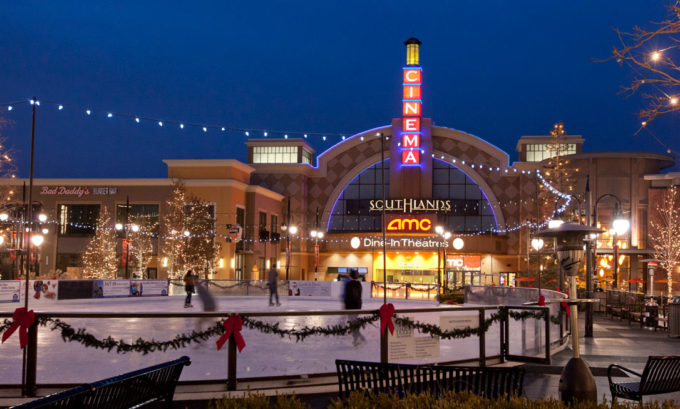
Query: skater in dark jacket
[
  {"x": 189, "y": 283},
  {"x": 272, "y": 283},
  {"x": 353, "y": 302}
]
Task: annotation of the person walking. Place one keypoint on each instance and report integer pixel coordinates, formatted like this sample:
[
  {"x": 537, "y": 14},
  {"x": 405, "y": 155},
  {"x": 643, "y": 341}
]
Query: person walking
[
  {"x": 272, "y": 283},
  {"x": 353, "y": 302},
  {"x": 189, "y": 287}
]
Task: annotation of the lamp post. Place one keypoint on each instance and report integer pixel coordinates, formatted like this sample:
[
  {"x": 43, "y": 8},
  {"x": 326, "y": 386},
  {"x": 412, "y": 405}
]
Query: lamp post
[
  {"x": 576, "y": 382},
  {"x": 443, "y": 236},
  {"x": 537, "y": 244},
  {"x": 620, "y": 226},
  {"x": 288, "y": 229}
]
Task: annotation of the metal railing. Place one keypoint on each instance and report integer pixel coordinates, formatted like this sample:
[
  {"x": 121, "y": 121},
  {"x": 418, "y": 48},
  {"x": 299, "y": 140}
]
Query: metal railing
[{"x": 504, "y": 334}]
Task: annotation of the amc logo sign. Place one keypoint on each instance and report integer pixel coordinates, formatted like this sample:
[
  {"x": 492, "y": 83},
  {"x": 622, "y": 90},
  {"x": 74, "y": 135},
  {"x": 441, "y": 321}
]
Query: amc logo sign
[{"x": 404, "y": 224}]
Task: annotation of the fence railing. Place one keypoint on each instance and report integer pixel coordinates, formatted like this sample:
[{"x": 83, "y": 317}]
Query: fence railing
[{"x": 487, "y": 317}]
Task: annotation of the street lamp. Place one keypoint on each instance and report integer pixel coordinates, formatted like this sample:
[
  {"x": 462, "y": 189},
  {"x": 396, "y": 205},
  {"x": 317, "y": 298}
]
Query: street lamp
[
  {"x": 316, "y": 235},
  {"x": 288, "y": 229},
  {"x": 576, "y": 382},
  {"x": 537, "y": 244},
  {"x": 126, "y": 247}
]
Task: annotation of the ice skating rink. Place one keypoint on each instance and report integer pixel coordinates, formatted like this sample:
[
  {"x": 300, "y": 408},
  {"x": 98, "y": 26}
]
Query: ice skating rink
[{"x": 264, "y": 354}]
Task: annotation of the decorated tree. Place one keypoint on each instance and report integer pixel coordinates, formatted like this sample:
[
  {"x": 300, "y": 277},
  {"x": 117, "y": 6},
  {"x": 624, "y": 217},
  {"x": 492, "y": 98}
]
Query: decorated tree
[
  {"x": 173, "y": 228},
  {"x": 665, "y": 234},
  {"x": 202, "y": 248},
  {"x": 141, "y": 238},
  {"x": 99, "y": 258}
]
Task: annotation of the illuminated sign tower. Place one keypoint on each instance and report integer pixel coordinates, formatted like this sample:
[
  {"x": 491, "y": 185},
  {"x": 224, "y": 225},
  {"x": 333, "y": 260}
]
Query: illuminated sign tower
[
  {"x": 411, "y": 147},
  {"x": 411, "y": 105}
]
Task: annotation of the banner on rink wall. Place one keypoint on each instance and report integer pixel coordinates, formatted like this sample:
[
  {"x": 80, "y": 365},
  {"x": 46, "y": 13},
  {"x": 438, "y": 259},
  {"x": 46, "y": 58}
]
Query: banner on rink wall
[
  {"x": 10, "y": 291},
  {"x": 148, "y": 288},
  {"x": 74, "y": 289},
  {"x": 111, "y": 288},
  {"x": 41, "y": 290},
  {"x": 309, "y": 288}
]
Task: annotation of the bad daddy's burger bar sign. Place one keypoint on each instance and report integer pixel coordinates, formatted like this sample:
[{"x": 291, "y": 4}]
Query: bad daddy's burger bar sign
[{"x": 78, "y": 191}]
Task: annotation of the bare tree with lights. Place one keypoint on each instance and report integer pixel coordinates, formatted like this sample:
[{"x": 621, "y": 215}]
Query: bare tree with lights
[
  {"x": 99, "y": 258},
  {"x": 202, "y": 246},
  {"x": 665, "y": 234},
  {"x": 141, "y": 238},
  {"x": 172, "y": 229},
  {"x": 557, "y": 170},
  {"x": 8, "y": 170},
  {"x": 649, "y": 53}
]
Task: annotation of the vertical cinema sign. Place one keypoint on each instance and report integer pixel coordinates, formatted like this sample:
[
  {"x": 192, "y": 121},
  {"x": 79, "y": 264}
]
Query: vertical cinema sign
[{"x": 411, "y": 105}]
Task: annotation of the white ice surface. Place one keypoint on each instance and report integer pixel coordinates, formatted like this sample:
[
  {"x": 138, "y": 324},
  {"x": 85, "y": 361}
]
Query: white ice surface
[{"x": 264, "y": 354}]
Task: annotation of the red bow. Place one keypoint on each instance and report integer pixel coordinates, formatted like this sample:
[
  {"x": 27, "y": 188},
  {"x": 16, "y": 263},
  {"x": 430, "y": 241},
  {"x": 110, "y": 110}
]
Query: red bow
[
  {"x": 541, "y": 300},
  {"x": 23, "y": 319},
  {"x": 566, "y": 305},
  {"x": 386, "y": 314},
  {"x": 232, "y": 325}
]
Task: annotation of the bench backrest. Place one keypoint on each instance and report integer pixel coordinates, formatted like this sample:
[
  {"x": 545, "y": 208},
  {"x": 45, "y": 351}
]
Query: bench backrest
[
  {"x": 489, "y": 382},
  {"x": 404, "y": 378},
  {"x": 123, "y": 391},
  {"x": 661, "y": 375}
]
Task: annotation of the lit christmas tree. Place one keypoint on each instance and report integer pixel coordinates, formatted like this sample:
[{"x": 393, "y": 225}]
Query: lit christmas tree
[
  {"x": 665, "y": 234},
  {"x": 99, "y": 259},
  {"x": 141, "y": 238},
  {"x": 173, "y": 246},
  {"x": 202, "y": 248}
]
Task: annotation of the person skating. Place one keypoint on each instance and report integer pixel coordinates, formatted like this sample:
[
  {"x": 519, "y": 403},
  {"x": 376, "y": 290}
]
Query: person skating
[
  {"x": 189, "y": 287},
  {"x": 353, "y": 302},
  {"x": 273, "y": 286}
]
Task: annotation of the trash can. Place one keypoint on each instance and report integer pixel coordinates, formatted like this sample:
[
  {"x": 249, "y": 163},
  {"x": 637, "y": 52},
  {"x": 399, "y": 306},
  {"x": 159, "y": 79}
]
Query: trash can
[
  {"x": 674, "y": 318},
  {"x": 651, "y": 313}
]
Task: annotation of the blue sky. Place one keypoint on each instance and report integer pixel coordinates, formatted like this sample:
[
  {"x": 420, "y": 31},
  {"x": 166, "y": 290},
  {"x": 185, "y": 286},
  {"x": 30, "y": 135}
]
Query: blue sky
[{"x": 497, "y": 69}]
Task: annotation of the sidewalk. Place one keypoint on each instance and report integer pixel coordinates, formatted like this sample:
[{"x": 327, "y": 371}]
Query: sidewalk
[{"x": 613, "y": 341}]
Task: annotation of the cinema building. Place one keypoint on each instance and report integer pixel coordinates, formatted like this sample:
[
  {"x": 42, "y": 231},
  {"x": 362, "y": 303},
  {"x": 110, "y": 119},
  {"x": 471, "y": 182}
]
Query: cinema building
[{"x": 416, "y": 175}]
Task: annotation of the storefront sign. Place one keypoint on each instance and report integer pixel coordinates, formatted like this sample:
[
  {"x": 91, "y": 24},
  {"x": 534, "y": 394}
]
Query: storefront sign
[
  {"x": 468, "y": 262},
  {"x": 10, "y": 290},
  {"x": 404, "y": 242},
  {"x": 410, "y": 205},
  {"x": 459, "y": 321},
  {"x": 65, "y": 191},
  {"x": 403, "y": 224},
  {"x": 411, "y": 112}
]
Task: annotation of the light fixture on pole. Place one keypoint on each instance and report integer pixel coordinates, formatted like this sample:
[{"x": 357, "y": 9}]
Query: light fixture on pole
[
  {"x": 576, "y": 382},
  {"x": 289, "y": 230},
  {"x": 537, "y": 244},
  {"x": 445, "y": 235},
  {"x": 620, "y": 226}
]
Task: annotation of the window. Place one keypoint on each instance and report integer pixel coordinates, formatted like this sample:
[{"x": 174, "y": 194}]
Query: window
[
  {"x": 275, "y": 154},
  {"x": 78, "y": 219},
  {"x": 351, "y": 210},
  {"x": 147, "y": 210},
  {"x": 470, "y": 210},
  {"x": 263, "y": 221},
  {"x": 542, "y": 151},
  {"x": 275, "y": 223},
  {"x": 306, "y": 156}
]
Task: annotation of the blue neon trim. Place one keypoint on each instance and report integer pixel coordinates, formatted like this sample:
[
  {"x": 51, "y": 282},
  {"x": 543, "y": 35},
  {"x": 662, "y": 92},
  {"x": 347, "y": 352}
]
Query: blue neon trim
[
  {"x": 410, "y": 166},
  {"x": 412, "y": 100},
  {"x": 411, "y": 149},
  {"x": 412, "y": 67},
  {"x": 406, "y": 84},
  {"x": 411, "y": 133}
]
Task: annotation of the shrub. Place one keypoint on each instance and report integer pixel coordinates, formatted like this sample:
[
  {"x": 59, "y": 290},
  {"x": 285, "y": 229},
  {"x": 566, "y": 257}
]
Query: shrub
[{"x": 258, "y": 401}]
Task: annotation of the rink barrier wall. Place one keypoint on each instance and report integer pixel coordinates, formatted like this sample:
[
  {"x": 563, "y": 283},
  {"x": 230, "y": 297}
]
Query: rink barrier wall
[
  {"x": 53, "y": 290},
  {"x": 30, "y": 385}
]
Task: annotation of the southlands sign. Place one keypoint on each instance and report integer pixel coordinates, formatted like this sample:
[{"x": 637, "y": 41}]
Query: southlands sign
[{"x": 410, "y": 205}]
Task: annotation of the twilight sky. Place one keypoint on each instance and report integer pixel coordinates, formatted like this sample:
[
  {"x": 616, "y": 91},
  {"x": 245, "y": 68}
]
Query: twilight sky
[{"x": 497, "y": 69}]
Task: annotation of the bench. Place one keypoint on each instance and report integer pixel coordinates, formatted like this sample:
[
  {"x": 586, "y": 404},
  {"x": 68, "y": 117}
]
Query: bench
[
  {"x": 129, "y": 390},
  {"x": 661, "y": 375},
  {"x": 403, "y": 379}
]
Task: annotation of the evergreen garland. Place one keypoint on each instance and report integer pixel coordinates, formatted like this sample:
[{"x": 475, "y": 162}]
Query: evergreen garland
[{"x": 80, "y": 335}]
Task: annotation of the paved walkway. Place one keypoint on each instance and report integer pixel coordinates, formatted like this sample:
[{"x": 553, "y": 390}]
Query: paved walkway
[{"x": 614, "y": 341}]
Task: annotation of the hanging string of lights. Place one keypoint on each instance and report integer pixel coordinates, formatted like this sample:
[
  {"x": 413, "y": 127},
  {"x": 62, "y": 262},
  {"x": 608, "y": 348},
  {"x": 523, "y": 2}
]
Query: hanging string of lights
[{"x": 164, "y": 122}]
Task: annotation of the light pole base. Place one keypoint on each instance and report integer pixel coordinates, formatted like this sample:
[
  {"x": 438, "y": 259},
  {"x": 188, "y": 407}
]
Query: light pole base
[{"x": 577, "y": 382}]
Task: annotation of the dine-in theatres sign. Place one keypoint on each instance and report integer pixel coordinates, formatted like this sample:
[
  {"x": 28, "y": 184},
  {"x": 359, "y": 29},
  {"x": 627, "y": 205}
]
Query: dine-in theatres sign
[{"x": 410, "y": 205}]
